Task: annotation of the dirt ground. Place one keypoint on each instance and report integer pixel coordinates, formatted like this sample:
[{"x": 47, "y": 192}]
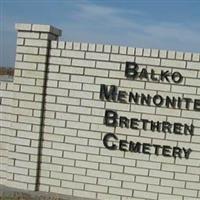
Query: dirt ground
[{"x": 7, "y": 193}]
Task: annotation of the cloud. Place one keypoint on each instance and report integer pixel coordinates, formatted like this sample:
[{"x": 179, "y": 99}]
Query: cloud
[
  {"x": 117, "y": 25},
  {"x": 89, "y": 10},
  {"x": 104, "y": 14}
]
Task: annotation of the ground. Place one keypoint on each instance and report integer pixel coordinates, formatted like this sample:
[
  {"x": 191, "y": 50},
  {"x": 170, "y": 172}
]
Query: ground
[{"x": 7, "y": 193}]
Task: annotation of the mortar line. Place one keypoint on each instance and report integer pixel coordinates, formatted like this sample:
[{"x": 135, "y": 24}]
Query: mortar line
[{"x": 42, "y": 118}]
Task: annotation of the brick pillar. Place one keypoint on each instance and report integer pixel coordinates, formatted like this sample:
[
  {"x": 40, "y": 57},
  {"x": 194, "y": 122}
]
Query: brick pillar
[{"x": 33, "y": 45}]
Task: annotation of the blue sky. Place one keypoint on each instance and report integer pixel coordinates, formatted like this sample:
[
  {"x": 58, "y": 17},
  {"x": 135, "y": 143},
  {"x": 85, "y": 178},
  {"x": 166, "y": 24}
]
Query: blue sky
[{"x": 162, "y": 24}]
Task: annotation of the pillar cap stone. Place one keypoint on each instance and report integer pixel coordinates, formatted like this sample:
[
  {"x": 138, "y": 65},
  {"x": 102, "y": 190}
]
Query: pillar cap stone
[{"x": 38, "y": 28}]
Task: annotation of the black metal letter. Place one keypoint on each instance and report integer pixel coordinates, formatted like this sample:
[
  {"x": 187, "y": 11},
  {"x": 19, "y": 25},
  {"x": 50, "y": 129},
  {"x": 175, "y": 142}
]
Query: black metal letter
[
  {"x": 106, "y": 139},
  {"x": 110, "y": 118},
  {"x": 131, "y": 70}
]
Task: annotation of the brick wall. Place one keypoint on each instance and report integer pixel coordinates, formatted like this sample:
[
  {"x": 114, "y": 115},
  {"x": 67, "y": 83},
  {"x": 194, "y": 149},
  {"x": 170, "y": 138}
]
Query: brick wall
[{"x": 56, "y": 123}]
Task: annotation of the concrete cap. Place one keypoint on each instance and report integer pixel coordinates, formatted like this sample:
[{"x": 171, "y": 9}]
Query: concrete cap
[{"x": 38, "y": 28}]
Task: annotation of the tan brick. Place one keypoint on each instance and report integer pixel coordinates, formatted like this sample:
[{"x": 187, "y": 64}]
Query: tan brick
[
  {"x": 71, "y": 70},
  {"x": 168, "y": 196},
  {"x": 108, "y": 65},
  {"x": 35, "y": 58},
  {"x": 143, "y": 194},
  {"x": 102, "y": 159},
  {"x": 67, "y": 116},
  {"x": 186, "y": 177},
  {"x": 111, "y": 167},
  {"x": 36, "y": 42},
  {"x": 121, "y": 58},
  {"x": 84, "y": 46},
  {"x": 55, "y": 52},
  {"x": 119, "y": 191},
  {"x": 174, "y": 183},
  {"x": 59, "y": 61},
  {"x": 70, "y": 85},
  {"x": 27, "y": 50},
  {"x": 58, "y": 76},
  {"x": 97, "y": 173},
  {"x": 96, "y": 72},
  {"x": 20, "y": 41},
  {"x": 148, "y": 61},
  {"x": 24, "y": 81},
  {"x": 68, "y": 100},
  {"x": 80, "y": 94},
  {"x": 185, "y": 192},
  {"x": 82, "y": 79},
  {"x": 72, "y": 54},
  {"x": 173, "y": 63},
  {"x": 138, "y": 51},
  {"x": 71, "y": 155},
  {"x": 74, "y": 170},
  {"x": 62, "y": 161},
  {"x": 86, "y": 164},
  {"x": 83, "y": 63},
  {"x": 149, "y": 180},
  {"x": 65, "y": 191},
  {"x": 85, "y": 179},
  {"x": 160, "y": 189},
  {"x": 87, "y": 194},
  {"x": 88, "y": 149},
  {"x": 135, "y": 186},
  {"x": 108, "y": 196},
  {"x": 25, "y": 27},
  {"x": 49, "y": 181},
  {"x": 61, "y": 175},
  {"x": 97, "y": 56}
]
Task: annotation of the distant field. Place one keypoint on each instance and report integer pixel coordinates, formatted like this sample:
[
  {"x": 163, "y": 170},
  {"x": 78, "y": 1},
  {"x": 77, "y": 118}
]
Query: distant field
[{"x": 6, "y": 71}]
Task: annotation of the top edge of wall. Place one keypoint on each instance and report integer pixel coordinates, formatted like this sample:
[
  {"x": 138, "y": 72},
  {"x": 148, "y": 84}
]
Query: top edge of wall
[
  {"x": 38, "y": 28},
  {"x": 107, "y": 48},
  {"x": 126, "y": 50}
]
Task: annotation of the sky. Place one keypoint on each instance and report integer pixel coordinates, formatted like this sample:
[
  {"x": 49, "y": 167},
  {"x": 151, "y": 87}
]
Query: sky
[{"x": 158, "y": 24}]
